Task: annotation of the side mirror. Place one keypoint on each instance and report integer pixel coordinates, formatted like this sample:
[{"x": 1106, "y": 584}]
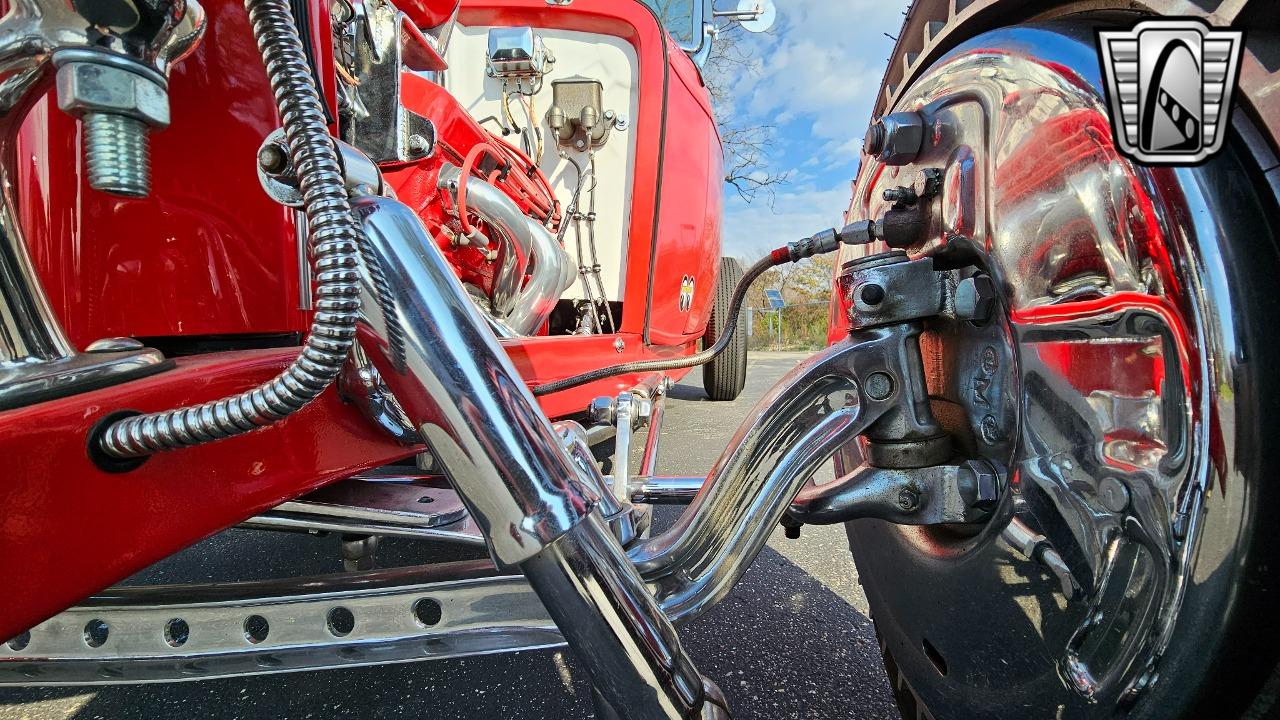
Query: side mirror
[{"x": 755, "y": 16}]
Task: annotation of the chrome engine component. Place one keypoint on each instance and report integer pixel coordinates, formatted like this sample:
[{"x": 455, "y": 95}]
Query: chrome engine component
[
  {"x": 523, "y": 247},
  {"x": 517, "y": 53},
  {"x": 895, "y": 139},
  {"x": 279, "y": 178},
  {"x": 335, "y": 242},
  {"x": 382, "y": 43}
]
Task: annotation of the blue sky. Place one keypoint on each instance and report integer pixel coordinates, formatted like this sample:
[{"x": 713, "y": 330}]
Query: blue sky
[{"x": 815, "y": 78}]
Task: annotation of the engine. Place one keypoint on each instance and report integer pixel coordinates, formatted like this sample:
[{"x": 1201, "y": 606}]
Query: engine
[{"x": 453, "y": 117}]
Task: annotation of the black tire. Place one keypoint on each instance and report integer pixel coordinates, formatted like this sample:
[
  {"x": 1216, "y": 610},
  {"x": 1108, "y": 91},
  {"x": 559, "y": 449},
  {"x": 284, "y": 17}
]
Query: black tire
[{"x": 726, "y": 374}]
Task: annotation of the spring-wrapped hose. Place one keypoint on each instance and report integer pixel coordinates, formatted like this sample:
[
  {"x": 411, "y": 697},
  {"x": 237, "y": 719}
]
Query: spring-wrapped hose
[{"x": 335, "y": 243}]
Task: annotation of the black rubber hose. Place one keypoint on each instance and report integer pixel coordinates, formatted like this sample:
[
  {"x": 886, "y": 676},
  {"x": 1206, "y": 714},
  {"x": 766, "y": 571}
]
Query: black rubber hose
[{"x": 773, "y": 259}]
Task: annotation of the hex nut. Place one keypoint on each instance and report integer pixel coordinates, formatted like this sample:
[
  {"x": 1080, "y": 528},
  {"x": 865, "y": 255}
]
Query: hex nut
[
  {"x": 85, "y": 87},
  {"x": 976, "y": 298},
  {"x": 858, "y": 232},
  {"x": 602, "y": 411},
  {"x": 986, "y": 484},
  {"x": 903, "y": 134}
]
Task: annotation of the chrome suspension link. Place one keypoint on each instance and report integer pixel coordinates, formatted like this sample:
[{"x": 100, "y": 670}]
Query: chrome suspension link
[{"x": 335, "y": 243}]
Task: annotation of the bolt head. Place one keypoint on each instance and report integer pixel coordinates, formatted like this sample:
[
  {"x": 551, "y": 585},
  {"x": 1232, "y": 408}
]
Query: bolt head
[
  {"x": 1113, "y": 495},
  {"x": 903, "y": 138},
  {"x": 872, "y": 294},
  {"x": 273, "y": 159},
  {"x": 873, "y": 141},
  {"x": 879, "y": 386},
  {"x": 602, "y": 411},
  {"x": 908, "y": 500},
  {"x": 976, "y": 298},
  {"x": 419, "y": 146},
  {"x": 986, "y": 484},
  {"x": 87, "y": 87}
]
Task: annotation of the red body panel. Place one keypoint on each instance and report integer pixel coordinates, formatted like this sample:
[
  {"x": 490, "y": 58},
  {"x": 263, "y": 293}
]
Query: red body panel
[
  {"x": 68, "y": 528},
  {"x": 209, "y": 254}
]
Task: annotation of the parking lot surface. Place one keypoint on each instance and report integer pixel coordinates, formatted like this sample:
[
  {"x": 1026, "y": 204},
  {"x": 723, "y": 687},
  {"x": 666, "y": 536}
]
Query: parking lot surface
[{"x": 792, "y": 641}]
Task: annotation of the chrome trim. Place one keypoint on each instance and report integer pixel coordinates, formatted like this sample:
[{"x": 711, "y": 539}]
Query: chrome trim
[
  {"x": 654, "y": 490},
  {"x": 461, "y": 532},
  {"x": 524, "y": 248},
  {"x": 480, "y": 614}
]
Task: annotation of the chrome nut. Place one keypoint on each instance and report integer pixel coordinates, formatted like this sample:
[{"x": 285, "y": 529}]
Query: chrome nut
[
  {"x": 896, "y": 138},
  {"x": 976, "y": 298},
  {"x": 86, "y": 87},
  {"x": 984, "y": 490},
  {"x": 602, "y": 411}
]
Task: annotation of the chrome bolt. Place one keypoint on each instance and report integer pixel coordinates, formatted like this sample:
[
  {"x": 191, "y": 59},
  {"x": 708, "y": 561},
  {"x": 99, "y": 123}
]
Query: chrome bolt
[
  {"x": 117, "y": 154},
  {"x": 1113, "y": 495},
  {"x": 896, "y": 138},
  {"x": 991, "y": 430},
  {"x": 619, "y": 345},
  {"x": 908, "y": 500},
  {"x": 976, "y": 298},
  {"x": 419, "y": 146},
  {"x": 117, "y": 109},
  {"x": 273, "y": 159},
  {"x": 602, "y": 411},
  {"x": 985, "y": 489},
  {"x": 879, "y": 386}
]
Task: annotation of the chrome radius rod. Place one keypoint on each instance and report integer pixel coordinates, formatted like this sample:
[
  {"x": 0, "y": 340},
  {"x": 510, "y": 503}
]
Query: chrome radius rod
[
  {"x": 870, "y": 384},
  {"x": 796, "y": 427},
  {"x": 421, "y": 331}
]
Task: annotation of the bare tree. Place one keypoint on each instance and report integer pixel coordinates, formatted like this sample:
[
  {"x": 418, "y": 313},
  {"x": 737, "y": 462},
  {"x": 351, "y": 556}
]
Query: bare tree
[{"x": 746, "y": 146}]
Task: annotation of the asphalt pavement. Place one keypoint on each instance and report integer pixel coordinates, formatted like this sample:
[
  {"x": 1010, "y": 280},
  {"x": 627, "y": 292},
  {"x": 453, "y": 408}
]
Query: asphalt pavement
[{"x": 792, "y": 641}]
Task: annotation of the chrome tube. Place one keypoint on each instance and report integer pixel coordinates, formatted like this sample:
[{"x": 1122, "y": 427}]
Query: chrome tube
[
  {"x": 813, "y": 411},
  {"x": 421, "y": 331},
  {"x": 655, "y": 490},
  {"x": 527, "y": 248},
  {"x": 457, "y": 387},
  {"x": 617, "y": 629}
]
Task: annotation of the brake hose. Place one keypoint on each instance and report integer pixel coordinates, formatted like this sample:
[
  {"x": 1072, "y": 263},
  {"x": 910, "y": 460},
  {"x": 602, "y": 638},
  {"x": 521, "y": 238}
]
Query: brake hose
[{"x": 824, "y": 242}]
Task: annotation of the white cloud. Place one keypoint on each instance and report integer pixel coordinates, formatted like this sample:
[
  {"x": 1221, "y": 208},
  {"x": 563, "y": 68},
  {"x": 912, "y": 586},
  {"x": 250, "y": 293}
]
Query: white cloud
[
  {"x": 824, "y": 63},
  {"x": 751, "y": 230}
]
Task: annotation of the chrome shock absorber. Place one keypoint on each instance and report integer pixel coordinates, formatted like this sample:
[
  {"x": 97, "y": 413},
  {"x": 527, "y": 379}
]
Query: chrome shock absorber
[{"x": 335, "y": 243}]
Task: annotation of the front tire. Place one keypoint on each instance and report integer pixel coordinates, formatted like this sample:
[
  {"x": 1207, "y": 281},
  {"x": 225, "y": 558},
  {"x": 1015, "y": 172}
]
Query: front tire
[{"x": 724, "y": 377}]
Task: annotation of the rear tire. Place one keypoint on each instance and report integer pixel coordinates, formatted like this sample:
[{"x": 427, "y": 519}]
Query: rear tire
[{"x": 726, "y": 374}]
